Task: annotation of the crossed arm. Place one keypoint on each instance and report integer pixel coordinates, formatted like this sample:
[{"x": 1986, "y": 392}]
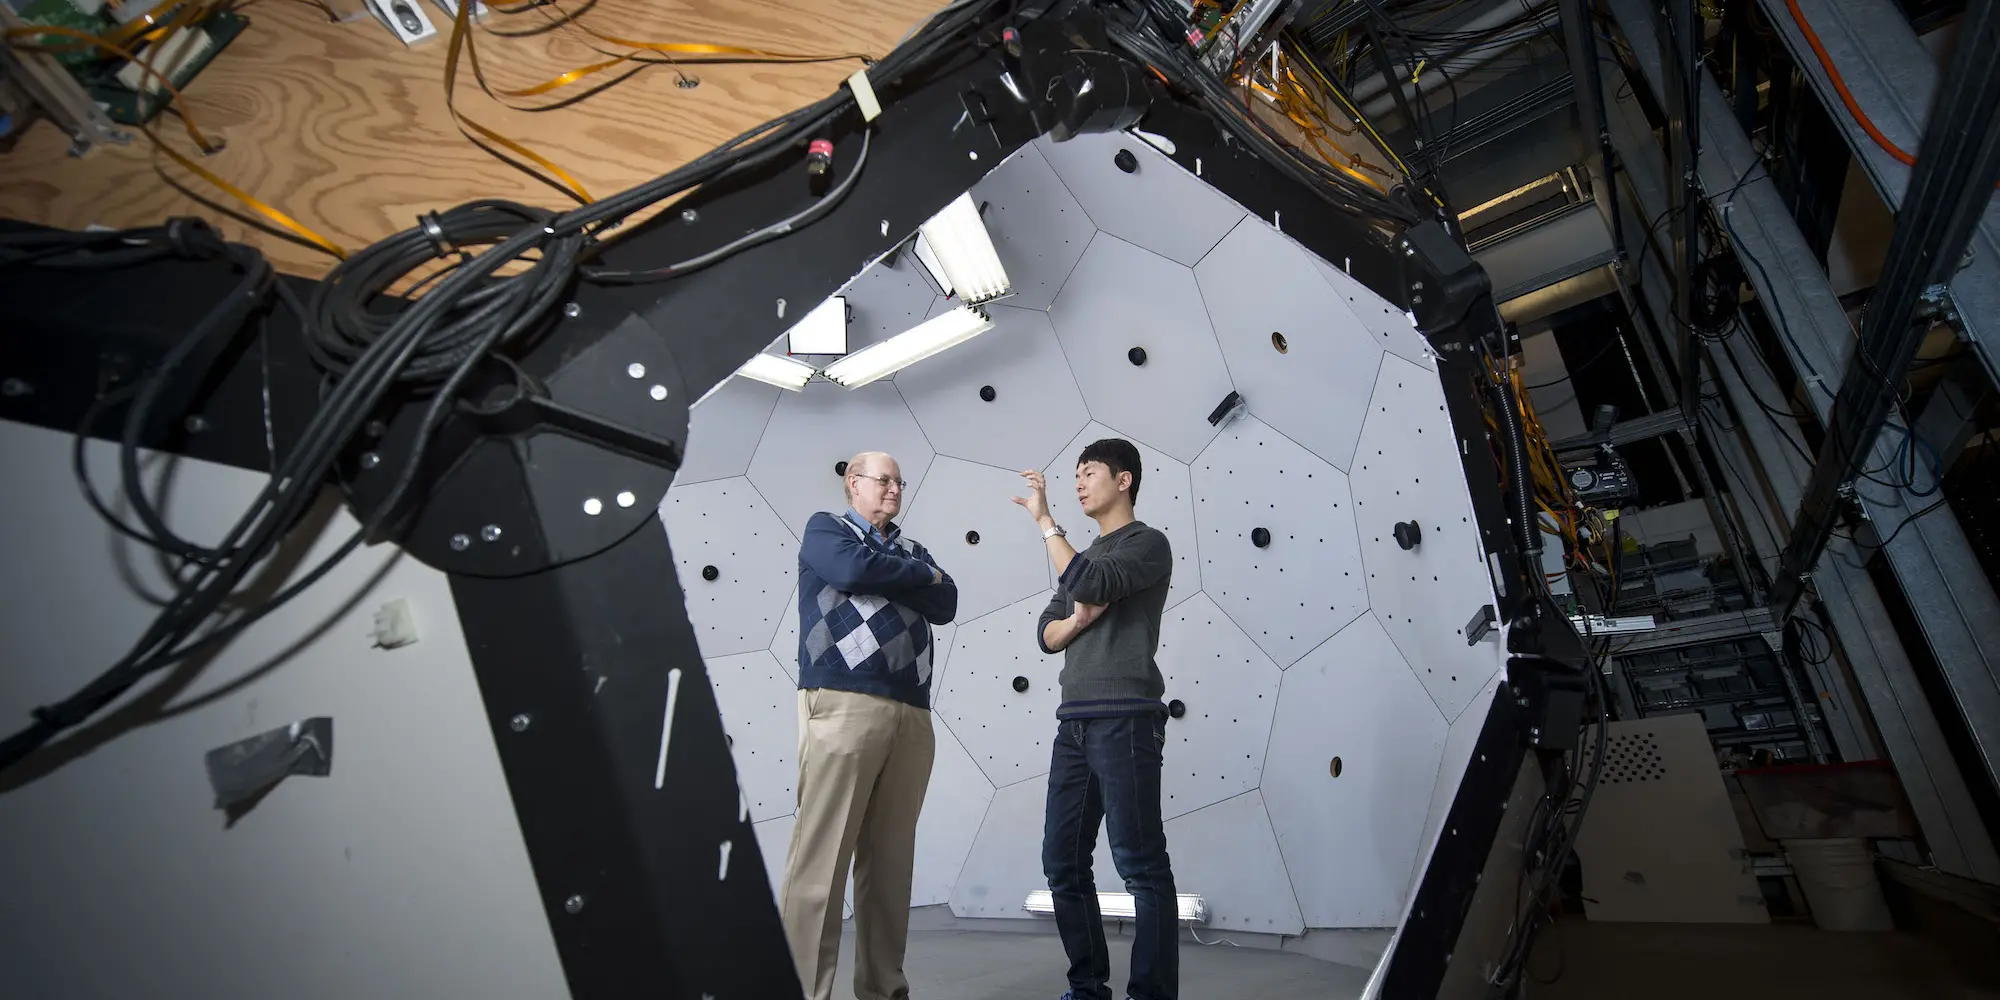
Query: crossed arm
[
  {"x": 1090, "y": 584},
  {"x": 844, "y": 561}
]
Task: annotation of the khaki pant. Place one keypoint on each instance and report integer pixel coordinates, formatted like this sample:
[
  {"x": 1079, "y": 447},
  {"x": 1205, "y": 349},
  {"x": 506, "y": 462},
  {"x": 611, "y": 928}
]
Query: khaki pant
[{"x": 864, "y": 766}]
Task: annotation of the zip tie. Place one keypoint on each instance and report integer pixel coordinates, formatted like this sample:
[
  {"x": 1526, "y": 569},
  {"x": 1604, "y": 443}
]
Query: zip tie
[
  {"x": 1419, "y": 71},
  {"x": 864, "y": 95}
]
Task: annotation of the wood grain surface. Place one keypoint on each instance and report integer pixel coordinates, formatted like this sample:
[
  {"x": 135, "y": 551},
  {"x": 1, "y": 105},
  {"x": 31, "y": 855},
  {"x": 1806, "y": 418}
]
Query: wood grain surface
[{"x": 346, "y": 130}]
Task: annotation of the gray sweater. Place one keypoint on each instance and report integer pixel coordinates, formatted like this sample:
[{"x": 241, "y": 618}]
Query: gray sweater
[{"x": 1109, "y": 669}]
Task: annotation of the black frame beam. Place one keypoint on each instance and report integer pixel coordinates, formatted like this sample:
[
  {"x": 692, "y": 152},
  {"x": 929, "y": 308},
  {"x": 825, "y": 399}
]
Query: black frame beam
[
  {"x": 1958, "y": 164},
  {"x": 1681, "y": 95}
]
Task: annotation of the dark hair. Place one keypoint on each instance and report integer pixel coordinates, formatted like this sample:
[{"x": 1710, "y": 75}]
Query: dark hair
[{"x": 1118, "y": 455}]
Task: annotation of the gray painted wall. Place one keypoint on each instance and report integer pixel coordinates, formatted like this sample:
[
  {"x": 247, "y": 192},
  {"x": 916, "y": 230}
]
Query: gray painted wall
[{"x": 400, "y": 875}]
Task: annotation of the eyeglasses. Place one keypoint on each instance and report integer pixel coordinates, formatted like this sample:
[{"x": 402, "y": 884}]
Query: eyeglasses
[{"x": 884, "y": 481}]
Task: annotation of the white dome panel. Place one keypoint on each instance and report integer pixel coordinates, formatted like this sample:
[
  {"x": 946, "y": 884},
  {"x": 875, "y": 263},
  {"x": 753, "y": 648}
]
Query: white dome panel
[
  {"x": 1229, "y": 690},
  {"x": 1228, "y": 852},
  {"x": 972, "y": 527},
  {"x": 954, "y": 805},
  {"x": 759, "y": 708},
  {"x": 1307, "y": 582},
  {"x": 822, "y": 425},
  {"x": 1036, "y": 405},
  {"x": 723, "y": 430},
  {"x": 1038, "y": 229},
  {"x": 1007, "y": 732},
  {"x": 1158, "y": 205},
  {"x": 725, "y": 524},
  {"x": 1393, "y": 329}
]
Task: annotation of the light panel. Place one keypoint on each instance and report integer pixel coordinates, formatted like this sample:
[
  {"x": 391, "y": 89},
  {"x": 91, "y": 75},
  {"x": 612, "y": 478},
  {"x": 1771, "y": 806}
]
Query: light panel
[
  {"x": 781, "y": 372},
  {"x": 955, "y": 241},
  {"x": 940, "y": 332},
  {"x": 1119, "y": 906},
  {"x": 822, "y": 331}
]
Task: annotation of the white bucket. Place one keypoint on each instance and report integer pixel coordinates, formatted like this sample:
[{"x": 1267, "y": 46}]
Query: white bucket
[{"x": 1838, "y": 878}]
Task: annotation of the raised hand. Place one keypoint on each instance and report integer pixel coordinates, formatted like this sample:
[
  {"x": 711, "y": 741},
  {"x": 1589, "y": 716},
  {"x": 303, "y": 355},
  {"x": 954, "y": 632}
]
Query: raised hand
[{"x": 1037, "y": 500}]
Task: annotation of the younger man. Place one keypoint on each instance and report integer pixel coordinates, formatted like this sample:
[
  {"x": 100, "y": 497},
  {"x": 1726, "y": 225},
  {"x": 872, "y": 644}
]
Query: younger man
[{"x": 1111, "y": 728}]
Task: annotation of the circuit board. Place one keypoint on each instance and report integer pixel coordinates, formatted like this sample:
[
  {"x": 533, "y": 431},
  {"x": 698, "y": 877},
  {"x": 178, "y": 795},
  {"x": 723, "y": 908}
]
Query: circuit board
[{"x": 97, "y": 70}]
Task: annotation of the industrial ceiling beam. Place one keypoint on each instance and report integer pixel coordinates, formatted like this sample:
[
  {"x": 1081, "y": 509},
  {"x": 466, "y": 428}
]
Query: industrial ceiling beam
[{"x": 1958, "y": 164}]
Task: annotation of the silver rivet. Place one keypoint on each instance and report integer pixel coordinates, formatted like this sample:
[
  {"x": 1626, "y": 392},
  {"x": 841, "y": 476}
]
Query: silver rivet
[
  {"x": 626, "y": 499},
  {"x": 885, "y": 227},
  {"x": 370, "y": 460},
  {"x": 377, "y": 428},
  {"x": 636, "y": 370},
  {"x": 519, "y": 723},
  {"x": 572, "y": 310},
  {"x": 659, "y": 392},
  {"x": 971, "y": 155},
  {"x": 1417, "y": 285},
  {"x": 19, "y": 387},
  {"x": 491, "y": 532},
  {"x": 593, "y": 506},
  {"x": 196, "y": 423},
  {"x": 573, "y": 905},
  {"x": 688, "y": 215},
  {"x": 459, "y": 542}
]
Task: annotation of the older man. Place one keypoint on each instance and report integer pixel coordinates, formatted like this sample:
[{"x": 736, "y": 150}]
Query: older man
[{"x": 868, "y": 596}]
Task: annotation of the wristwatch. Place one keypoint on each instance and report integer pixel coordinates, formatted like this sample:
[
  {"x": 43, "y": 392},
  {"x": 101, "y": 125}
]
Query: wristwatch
[{"x": 1053, "y": 531}]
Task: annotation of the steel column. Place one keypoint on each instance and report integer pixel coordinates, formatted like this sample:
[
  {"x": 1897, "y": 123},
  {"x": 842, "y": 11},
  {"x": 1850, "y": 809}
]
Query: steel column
[
  {"x": 1580, "y": 41},
  {"x": 1680, "y": 92},
  {"x": 1958, "y": 164}
]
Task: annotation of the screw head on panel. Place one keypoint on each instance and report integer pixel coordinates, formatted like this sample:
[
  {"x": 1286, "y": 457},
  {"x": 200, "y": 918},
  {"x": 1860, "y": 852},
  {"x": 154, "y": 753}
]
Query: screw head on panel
[
  {"x": 519, "y": 723},
  {"x": 573, "y": 905},
  {"x": 490, "y": 533},
  {"x": 459, "y": 542}
]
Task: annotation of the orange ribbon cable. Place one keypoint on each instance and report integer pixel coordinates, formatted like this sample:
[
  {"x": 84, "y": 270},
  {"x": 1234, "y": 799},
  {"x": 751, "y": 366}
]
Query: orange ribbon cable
[{"x": 458, "y": 42}]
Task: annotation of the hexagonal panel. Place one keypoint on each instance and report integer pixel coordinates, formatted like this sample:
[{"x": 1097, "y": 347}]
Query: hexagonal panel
[
  {"x": 1301, "y": 360},
  {"x": 1407, "y": 470},
  {"x": 1229, "y": 689},
  {"x": 814, "y": 429},
  {"x": 1038, "y": 230},
  {"x": 726, "y": 525},
  {"x": 1007, "y": 732},
  {"x": 723, "y": 430},
  {"x": 1392, "y": 328},
  {"x": 786, "y": 646},
  {"x": 977, "y": 533},
  {"x": 1122, "y": 297},
  {"x": 1158, "y": 205},
  {"x": 1354, "y": 753},
  {"x": 954, "y": 805},
  {"x": 883, "y": 301},
  {"x": 760, "y": 718},
  {"x": 1166, "y": 501},
  {"x": 1228, "y": 852},
  {"x": 1035, "y": 406},
  {"x": 1307, "y": 582}
]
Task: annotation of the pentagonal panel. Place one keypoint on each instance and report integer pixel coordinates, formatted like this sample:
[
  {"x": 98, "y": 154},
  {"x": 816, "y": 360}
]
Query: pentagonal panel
[
  {"x": 954, "y": 805},
  {"x": 882, "y": 301},
  {"x": 1038, "y": 230},
  {"x": 1407, "y": 471},
  {"x": 1166, "y": 501},
  {"x": 759, "y": 709},
  {"x": 723, "y": 430},
  {"x": 1158, "y": 205},
  {"x": 1035, "y": 404},
  {"x": 1228, "y": 853},
  {"x": 1458, "y": 746},
  {"x": 822, "y": 425},
  {"x": 725, "y": 526},
  {"x": 1007, "y": 732},
  {"x": 1296, "y": 353},
  {"x": 1354, "y": 754},
  {"x": 1391, "y": 328},
  {"x": 1122, "y": 297},
  {"x": 1306, "y": 582},
  {"x": 977, "y": 533},
  {"x": 1229, "y": 689}
]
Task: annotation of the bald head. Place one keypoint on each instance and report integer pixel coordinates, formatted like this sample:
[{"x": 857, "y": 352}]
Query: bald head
[{"x": 874, "y": 486}]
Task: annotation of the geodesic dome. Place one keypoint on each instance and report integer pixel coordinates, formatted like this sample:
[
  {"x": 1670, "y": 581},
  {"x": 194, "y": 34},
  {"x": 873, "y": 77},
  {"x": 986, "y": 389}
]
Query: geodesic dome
[{"x": 1322, "y": 665}]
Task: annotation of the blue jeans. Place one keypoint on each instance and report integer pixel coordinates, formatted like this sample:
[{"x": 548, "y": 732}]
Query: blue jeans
[{"x": 1109, "y": 770}]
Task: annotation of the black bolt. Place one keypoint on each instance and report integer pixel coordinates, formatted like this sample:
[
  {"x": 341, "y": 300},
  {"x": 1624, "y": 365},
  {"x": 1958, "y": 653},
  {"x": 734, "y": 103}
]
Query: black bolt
[
  {"x": 1176, "y": 709},
  {"x": 1020, "y": 683},
  {"x": 840, "y": 468},
  {"x": 972, "y": 538},
  {"x": 1126, "y": 161},
  {"x": 1136, "y": 355},
  {"x": 986, "y": 393},
  {"x": 1260, "y": 537},
  {"x": 1408, "y": 535},
  {"x": 710, "y": 573}
]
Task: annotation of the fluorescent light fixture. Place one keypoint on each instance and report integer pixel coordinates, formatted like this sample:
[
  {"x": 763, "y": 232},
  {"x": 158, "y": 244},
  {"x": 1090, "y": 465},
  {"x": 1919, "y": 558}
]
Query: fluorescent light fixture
[
  {"x": 781, "y": 372},
  {"x": 955, "y": 242},
  {"x": 1119, "y": 905},
  {"x": 823, "y": 331},
  {"x": 942, "y": 331}
]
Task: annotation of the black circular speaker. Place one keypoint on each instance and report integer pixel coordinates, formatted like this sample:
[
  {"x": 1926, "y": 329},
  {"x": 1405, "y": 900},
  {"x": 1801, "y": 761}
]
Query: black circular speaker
[
  {"x": 1260, "y": 537},
  {"x": 986, "y": 393},
  {"x": 1136, "y": 355},
  {"x": 1176, "y": 709},
  {"x": 1408, "y": 535},
  {"x": 1126, "y": 161},
  {"x": 840, "y": 468},
  {"x": 710, "y": 573},
  {"x": 1020, "y": 683},
  {"x": 972, "y": 538}
]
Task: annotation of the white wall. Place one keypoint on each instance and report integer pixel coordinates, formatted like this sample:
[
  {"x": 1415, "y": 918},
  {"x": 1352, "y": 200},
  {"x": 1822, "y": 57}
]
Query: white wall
[{"x": 400, "y": 874}]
